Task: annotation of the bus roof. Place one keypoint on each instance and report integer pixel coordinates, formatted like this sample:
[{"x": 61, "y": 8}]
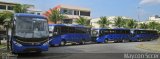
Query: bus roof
[
  {"x": 29, "y": 15},
  {"x": 144, "y": 29},
  {"x": 71, "y": 25},
  {"x": 98, "y": 28},
  {"x": 108, "y": 28},
  {"x": 75, "y": 25},
  {"x": 121, "y": 29},
  {"x": 57, "y": 25}
]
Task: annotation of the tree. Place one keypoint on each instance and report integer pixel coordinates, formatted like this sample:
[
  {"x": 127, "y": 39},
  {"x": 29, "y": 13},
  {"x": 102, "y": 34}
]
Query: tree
[
  {"x": 103, "y": 22},
  {"x": 152, "y": 25},
  {"x": 130, "y": 23},
  {"x": 143, "y": 25},
  {"x": 4, "y": 16},
  {"x": 55, "y": 16},
  {"x": 158, "y": 27},
  {"x": 83, "y": 21},
  {"x": 119, "y": 22},
  {"x": 19, "y": 8}
]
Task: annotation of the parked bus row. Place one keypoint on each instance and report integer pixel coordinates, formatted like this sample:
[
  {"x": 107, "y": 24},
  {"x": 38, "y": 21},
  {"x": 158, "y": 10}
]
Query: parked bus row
[
  {"x": 123, "y": 35},
  {"x": 61, "y": 34},
  {"x": 31, "y": 33}
]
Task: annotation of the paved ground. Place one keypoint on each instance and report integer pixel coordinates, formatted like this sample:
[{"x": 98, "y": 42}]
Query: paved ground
[{"x": 89, "y": 51}]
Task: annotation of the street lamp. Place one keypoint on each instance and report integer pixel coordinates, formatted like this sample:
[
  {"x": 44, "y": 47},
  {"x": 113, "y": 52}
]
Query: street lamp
[{"x": 139, "y": 15}]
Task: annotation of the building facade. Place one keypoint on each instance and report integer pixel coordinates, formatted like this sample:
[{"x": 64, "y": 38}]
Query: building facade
[
  {"x": 72, "y": 13},
  {"x": 6, "y": 6},
  {"x": 110, "y": 18},
  {"x": 9, "y": 6},
  {"x": 155, "y": 18}
]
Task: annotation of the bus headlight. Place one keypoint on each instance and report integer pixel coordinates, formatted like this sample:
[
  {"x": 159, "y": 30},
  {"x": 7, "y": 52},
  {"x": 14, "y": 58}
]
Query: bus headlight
[{"x": 16, "y": 43}]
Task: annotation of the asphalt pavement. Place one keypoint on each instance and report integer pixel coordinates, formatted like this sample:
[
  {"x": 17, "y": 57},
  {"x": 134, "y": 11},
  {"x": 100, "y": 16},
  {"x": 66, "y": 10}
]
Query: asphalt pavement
[{"x": 90, "y": 51}]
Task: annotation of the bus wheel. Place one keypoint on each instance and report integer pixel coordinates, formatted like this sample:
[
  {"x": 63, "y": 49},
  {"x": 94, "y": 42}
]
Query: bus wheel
[
  {"x": 63, "y": 42},
  {"x": 82, "y": 42},
  {"x": 139, "y": 40},
  {"x": 106, "y": 41},
  {"x": 125, "y": 40},
  {"x": 150, "y": 39},
  {"x": 116, "y": 41}
]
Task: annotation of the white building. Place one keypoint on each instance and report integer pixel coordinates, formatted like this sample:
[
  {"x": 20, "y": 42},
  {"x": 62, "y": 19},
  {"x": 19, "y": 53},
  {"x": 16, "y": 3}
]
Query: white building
[
  {"x": 155, "y": 18},
  {"x": 33, "y": 10},
  {"x": 8, "y": 6},
  {"x": 110, "y": 18},
  {"x": 71, "y": 12}
]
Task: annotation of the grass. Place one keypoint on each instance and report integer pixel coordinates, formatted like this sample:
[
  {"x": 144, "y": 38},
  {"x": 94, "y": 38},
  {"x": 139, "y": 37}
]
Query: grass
[{"x": 1, "y": 46}]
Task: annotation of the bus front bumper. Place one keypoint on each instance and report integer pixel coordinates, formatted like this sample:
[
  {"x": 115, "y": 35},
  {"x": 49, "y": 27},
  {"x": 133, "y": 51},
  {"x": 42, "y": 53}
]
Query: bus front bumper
[{"x": 29, "y": 49}]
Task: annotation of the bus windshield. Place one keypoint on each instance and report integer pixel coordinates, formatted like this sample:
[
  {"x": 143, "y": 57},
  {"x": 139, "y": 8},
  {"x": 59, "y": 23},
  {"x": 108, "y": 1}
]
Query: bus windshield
[{"x": 28, "y": 27}]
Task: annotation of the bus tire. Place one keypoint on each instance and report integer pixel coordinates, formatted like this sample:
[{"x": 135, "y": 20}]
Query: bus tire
[
  {"x": 53, "y": 45},
  {"x": 82, "y": 42},
  {"x": 39, "y": 52},
  {"x": 106, "y": 41},
  {"x": 125, "y": 40},
  {"x": 116, "y": 41},
  {"x": 63, "y": 42},
  {"x": 139, "y": 40}
]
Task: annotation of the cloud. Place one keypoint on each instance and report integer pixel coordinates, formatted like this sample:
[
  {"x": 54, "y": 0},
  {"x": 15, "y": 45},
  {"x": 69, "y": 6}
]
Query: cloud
[{"x": 149, "y": 2}]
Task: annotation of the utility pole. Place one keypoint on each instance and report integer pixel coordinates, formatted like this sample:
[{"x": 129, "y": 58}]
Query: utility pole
[{"x": 139, "y": 15}]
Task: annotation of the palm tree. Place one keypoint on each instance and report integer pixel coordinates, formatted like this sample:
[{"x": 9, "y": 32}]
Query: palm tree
[
  {"x": 152, "y": 25},
  {"x": 19, "y": 8},
  {"x": 83, "y": 21},
  {"x": 55, "y": 16},
  {"x": 130, "y": 23},
  {"x": 119, "y": 22},
  {"x": 103, "y": 22},
  {"x": 4, "y": 16},
  {"x": 143, "y": 25}
]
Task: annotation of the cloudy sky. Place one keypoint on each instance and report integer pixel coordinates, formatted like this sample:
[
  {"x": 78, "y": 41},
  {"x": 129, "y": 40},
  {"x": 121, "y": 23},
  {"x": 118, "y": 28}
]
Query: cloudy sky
[{"x": 104, "y": 7}]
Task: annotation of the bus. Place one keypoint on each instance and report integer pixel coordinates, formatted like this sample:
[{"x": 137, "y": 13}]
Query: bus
[
  {"x": 29, "y": 33},
  {"x": 143, "y": 35},
  {"x": 103, "y": 35},
  {"x": 61, "y": 34}
]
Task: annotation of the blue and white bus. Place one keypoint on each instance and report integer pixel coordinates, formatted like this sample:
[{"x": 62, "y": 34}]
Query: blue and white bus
[
  {"x": 103, "y": 35},
  {"x": 61, "y": 34},
  {"x": 29, "y": 33},
  {"x": 143, "y": 35}
]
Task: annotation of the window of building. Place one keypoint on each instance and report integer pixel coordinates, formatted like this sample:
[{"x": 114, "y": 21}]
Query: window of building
[
  {"x": 3, "y": 7},
  {"x": 84, "y": 13},
  {"x": 67, "y": 21},
  {"x": 10, "y": 7},
  {"x": 66, "y": 11},
  {"x": 76, "y": 12}
]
